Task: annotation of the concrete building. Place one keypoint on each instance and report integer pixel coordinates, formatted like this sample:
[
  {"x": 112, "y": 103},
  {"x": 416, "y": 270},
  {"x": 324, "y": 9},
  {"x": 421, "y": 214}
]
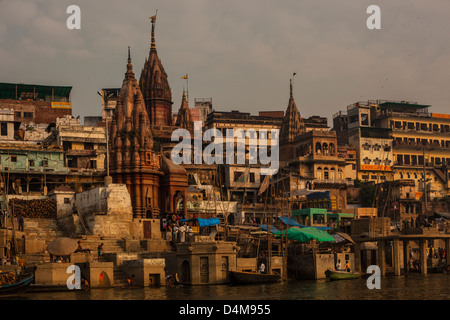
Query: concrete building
[
  {"x": 85, "y": 146},
  {"x": 35, "y": 103},
  {"x": 242, "y": 180},
  {"x": 373, "y": 145},
  {"x": 31, "y": 169},
  {"x": 399, "y": 140}
]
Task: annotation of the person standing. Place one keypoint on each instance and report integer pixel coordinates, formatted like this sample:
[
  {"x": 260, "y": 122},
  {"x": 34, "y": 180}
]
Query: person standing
[
  {"x": 182, "y": 233},
  {"x": 175, "y": 234},
  {"x": 100, "y": 251},
  {"x": 20, "y": 222},
  {"x": 347, "y": 266},
  {"x": 338, "y": 265}
]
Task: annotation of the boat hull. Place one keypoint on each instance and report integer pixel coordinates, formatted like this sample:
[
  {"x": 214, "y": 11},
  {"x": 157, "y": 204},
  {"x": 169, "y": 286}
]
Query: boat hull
[
  {"x": 19, "y": 286},
  {"x": 341, "y": 275},
  {"x": 242, "y": 277}
]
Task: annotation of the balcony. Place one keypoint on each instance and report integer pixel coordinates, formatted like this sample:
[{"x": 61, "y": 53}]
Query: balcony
[
  {"x": 85, "y": 153},
  {"x": 418, "y": 145}
]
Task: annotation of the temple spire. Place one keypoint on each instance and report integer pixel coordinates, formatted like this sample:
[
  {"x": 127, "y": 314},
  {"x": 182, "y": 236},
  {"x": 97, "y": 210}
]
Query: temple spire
[
  {"x": 292, "y": 96},
  {"x": 129, "y": 74},
  {"x": 153, "y": 18}
]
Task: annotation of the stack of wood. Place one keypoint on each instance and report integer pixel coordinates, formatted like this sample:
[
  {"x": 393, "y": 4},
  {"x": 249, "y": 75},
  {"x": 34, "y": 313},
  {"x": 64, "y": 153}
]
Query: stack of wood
[
  {"x": 39, "y": 208},
  {"x": 7, "y": 278}
]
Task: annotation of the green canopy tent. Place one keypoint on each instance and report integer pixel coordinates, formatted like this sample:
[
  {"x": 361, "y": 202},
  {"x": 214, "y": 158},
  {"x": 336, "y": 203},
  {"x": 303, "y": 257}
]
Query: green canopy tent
[{"x": 305, "y": 234}]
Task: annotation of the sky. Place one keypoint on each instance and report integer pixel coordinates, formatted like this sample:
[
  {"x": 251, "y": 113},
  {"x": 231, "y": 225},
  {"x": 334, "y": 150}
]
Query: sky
[{"x": 241, "y": 54}]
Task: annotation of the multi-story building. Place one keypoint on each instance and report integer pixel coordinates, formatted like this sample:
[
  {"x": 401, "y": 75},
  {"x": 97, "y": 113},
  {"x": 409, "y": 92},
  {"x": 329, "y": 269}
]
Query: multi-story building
[
  {"x": 35, "y": 103},
  {"x": 421, "y": 144},
  {"x": 313, "y": 154},
  {"x": 373, "y": 144},
  {"x": 243, "y": 180},
  {"x": 398, "y": 140},
  {"x": 31, "y": 168},
  {"x": 85, "y": 146}
]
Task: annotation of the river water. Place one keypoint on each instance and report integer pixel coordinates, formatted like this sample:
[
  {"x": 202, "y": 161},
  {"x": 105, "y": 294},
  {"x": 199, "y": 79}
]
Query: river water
[{"x": 409, "y": 287}]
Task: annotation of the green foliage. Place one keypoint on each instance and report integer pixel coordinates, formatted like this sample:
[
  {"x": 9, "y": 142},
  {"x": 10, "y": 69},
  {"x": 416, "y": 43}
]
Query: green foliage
[{"x": 367, "y": 194}]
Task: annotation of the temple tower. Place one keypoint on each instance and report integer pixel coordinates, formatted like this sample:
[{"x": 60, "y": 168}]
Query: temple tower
[
  {"x": 155, "y": 87},
  {"x": 133, "y": 161}
]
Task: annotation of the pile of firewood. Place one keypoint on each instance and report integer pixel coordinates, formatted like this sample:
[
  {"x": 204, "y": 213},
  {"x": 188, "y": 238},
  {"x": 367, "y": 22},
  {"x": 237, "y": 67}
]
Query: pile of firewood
[
  {"x": 7, "y": 278},
  {"x": 39, "y": 208}
]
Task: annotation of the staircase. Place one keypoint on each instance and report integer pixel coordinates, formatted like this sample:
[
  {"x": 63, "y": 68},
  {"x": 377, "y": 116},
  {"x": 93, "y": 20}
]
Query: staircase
[
  {"x": 120, "y": 278},
  {"x": 46, "y": 229}
]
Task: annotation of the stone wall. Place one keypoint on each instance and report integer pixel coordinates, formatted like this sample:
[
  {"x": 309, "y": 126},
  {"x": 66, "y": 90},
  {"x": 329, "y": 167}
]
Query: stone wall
[
  {"x": 147, "y": 272},
  {"x": 107, "y": 211}
]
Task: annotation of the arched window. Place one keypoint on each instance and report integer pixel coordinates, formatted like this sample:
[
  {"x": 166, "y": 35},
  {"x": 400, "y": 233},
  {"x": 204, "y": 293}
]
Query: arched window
[
  {"x": 332, "y": 174},
  {"x": 318, "y": 147},
  {"x": 332, "y": 149},
  {"x": 319, "y": 174},
  {"x": 325, "y": 148},
  {"x": 326, "y": 174}
]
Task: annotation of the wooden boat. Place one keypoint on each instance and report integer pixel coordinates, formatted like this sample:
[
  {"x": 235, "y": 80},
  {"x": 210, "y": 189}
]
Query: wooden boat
[
  {"x": 243, "y": 277},
  {"x": 341, "y": 275},
  {"x": 20, "y": 285}
]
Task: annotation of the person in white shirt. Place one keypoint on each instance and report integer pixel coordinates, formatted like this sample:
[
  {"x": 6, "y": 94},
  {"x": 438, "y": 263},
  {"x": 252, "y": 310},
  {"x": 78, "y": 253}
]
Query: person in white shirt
[
  {"x": 338, "y": 265},
  {"x": 262, "y": 268}
]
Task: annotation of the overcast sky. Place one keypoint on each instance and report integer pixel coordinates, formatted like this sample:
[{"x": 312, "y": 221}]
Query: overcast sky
[{"x": 239, "y": 53}]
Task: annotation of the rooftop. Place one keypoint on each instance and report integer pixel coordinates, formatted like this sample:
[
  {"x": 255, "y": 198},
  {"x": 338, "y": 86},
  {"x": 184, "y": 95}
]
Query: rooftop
[{"x": 20, "y": 91}]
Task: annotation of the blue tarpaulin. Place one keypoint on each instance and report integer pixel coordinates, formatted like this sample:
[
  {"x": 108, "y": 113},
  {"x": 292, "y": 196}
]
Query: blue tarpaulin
[
  {"x": 265, "y": 227},
  {"x": 293, "y": 223},
  {"x": 208, "y": 222},
  {"x": 204, "y": 222}
]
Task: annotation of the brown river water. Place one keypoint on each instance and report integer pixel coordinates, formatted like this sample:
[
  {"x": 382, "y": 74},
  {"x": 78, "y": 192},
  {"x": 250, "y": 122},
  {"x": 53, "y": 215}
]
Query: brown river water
[{"x": 409, "y": 287}]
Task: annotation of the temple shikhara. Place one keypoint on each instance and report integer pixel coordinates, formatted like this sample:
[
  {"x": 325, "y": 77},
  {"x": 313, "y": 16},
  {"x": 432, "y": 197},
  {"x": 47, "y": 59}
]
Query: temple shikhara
[{"x": 155, "y": 87}]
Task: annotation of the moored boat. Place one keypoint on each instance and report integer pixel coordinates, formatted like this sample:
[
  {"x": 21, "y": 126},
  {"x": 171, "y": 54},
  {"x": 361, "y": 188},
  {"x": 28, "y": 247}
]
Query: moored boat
[
  {"x": 341, "y": 275},
  {"x": 20, "y": 285},
  {"x": 243, "y": 277}
]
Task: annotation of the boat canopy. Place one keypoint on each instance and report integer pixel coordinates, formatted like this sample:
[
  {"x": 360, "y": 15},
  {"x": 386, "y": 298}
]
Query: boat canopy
[
  {"x": 293, "y": 223},
  {"x": 305, "y": 234}
]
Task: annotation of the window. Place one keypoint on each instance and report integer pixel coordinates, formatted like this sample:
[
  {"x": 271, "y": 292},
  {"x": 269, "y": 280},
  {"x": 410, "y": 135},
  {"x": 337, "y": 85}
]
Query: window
[
  {"x": 252, "y": 177},
  {"x": 376, "y": 147},
  {"x": 4, "y": 129},
  {"x": 13, "y": 158},
  {"x": 366, "y": 160},
  {"x": 31, "y": 163},
  {"x": 28, "y": 114},
  {"x": 66, "y": 200},
  {"x": 237, "y": 175},
  {"x": 364, "y": 119}
]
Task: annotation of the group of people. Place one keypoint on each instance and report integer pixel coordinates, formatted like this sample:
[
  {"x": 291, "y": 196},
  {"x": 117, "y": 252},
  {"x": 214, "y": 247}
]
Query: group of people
[
  {"x": 339, "y": 266},
  {"x": 14, "y": 260},
  {"x": 179, "y": 231}
]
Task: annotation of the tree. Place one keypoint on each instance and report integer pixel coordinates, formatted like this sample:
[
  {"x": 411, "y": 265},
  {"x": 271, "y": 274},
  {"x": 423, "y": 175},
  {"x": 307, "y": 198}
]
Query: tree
[{"x": 367, "y": 194}]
